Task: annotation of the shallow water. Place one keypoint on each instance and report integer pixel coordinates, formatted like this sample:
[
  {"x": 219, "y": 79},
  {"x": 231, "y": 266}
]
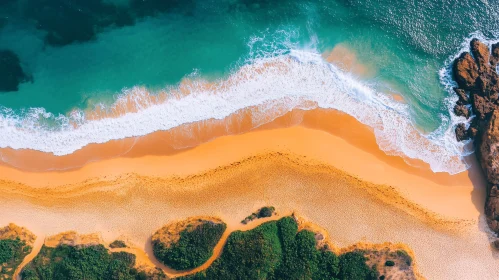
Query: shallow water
[{"x": 86, "y": 55}]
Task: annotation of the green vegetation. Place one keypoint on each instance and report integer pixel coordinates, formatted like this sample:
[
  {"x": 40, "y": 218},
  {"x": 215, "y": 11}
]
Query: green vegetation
[
  {"x": 389, "y": 263},
  {"x": 118, "y": 244},
  {"x": 89, "y": 263},
  {"x": 277, "y": 250},
  {"x": 353, "y": 266},
  {"x": 263, "y": 212},
  {"x": 12, "y": 253},
  {"x": 194, "y": 247}
]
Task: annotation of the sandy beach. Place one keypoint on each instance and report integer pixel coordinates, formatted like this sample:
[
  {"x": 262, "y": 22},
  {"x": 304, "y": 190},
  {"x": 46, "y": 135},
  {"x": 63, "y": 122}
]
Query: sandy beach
[{"x": 329, "y": 169}]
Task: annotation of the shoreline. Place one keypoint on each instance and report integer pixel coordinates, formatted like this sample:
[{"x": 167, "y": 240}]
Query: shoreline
[
  {"x": 312, "y": 169},
  {"x": 341, "y": 144}
]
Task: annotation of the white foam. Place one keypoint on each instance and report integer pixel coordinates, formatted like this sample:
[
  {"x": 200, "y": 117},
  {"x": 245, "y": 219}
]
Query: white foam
[{"x": 272, "y": 86}]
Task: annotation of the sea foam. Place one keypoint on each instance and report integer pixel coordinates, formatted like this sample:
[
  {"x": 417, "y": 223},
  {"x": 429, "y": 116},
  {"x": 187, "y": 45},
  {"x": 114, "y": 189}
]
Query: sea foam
[{"x": 272, "y": 86}]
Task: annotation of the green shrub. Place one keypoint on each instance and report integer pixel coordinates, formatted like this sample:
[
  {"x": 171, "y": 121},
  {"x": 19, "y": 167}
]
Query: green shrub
[
  {"x": 251, "y": 254},
  {"x": 389, "y": 263},
  {"x": 194, "y": 247},
  {"x": 10, "y": 250},
  {"x": 266, "y": 212},
  {"x": 12, "y": 253},
  {"x": 263, "y": 212},
  {"x": 85, "y": 263},
  {"x": 274, "y": 250},
  {"x": 118, "y": 244},
  {"x": 353, "y": 267}
]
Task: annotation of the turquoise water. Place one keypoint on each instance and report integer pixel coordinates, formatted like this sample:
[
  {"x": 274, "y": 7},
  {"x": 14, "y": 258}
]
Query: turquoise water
[{"x": 156, "y": 45}]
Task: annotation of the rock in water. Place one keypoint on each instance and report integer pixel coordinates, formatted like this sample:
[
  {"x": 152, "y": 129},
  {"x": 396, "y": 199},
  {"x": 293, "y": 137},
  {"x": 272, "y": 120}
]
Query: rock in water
[
  {"x": 489, "y": 149},
  {"x": 462, "y": 110},
  {"x": 463, "y": 98},
  {"x": 461, "y": 132},
  {"x": 481, "y": 53},
  {"x": 465, "y": 71},
  {"x": 482, "y": 107},
  {"x": 478, "y": 76},
  {"x": 11, "y": 73},
  {"x": 494, "y": 58}
]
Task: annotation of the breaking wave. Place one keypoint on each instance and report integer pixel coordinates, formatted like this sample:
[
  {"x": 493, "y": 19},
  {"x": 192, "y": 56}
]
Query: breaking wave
[{"x": 270, "y": 85}]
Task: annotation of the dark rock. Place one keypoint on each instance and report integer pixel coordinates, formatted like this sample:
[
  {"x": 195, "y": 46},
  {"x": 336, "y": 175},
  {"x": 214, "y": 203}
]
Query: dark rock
[
  {"x": 482, "y": 107},
  {"x": 482, "y": 85},
  {"x": 481, "y": 53},
  {"x": 462, "y": 110},
  {"x": 465, "y": 71},
  {"x": 461, "y": 132},
  {"x": 479, "y": 76},
  {"x": 463, "y": 98},
  {"x": 11, "y": 72},
  {"x": 492, "y": 213},
  {"x": 489, "y": 149},
  {"x": 472, "y": 132},
  {"x": 494, "y": 57}
]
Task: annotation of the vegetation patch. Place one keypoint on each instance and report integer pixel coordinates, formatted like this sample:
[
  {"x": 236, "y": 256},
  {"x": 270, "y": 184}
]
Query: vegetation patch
[
  {"x": 118, "y": 244},
  {"x": 84, "y": 263},
  {"x": 277, "y": 250},
  {"x": 263, "y": 212},
  {"x": 12, "y": 253},
  {"x": 187, "y": 244},
  {"x": 15, "y": 244}
]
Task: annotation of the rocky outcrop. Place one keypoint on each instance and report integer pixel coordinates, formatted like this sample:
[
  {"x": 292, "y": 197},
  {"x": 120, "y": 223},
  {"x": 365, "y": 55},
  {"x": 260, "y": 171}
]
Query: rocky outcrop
[
  {"x": 478, "y": 84},
  {"x": 462, "y": 110},
  {"x": 465, "y": 71},
  {"x": 462, "y": 132},
  {"x": 494, "y": 58}
]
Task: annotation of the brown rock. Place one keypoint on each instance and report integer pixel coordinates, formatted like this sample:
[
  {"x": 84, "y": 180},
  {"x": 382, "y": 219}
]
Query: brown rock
[
  {"x": 482, "y": 85},
  {"x": 492, "y": 212},
  {"x": 463, "y": 98},
  {"x": 465, "y": 71},
  {"x": 472, "y": 132},
  {"x": 481, "y": 53},
  {"x": 494, "y": 192},
  {"x": 489, "y": 149},
  {"x": 461, "y": 133},
  {"x": 482, "y": 107},
  {"x": 494, "y": 57},
  {"x": 478, "y": 75},
  {"x": 462, "y": 110}
]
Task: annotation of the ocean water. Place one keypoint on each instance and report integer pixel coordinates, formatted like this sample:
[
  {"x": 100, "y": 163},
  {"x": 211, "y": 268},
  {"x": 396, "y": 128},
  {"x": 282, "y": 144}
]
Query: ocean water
[{"x": 93, "y": 55}]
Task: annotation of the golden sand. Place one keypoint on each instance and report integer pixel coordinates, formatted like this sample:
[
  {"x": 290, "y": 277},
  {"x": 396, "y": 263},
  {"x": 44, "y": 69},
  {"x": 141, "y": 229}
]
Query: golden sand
[
  {"x": 329, "y": 169},
  {"x": 329, "y": 137}
]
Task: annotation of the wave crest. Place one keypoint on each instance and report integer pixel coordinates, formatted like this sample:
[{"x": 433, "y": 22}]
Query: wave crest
[{"x": 271, "y": 86}]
